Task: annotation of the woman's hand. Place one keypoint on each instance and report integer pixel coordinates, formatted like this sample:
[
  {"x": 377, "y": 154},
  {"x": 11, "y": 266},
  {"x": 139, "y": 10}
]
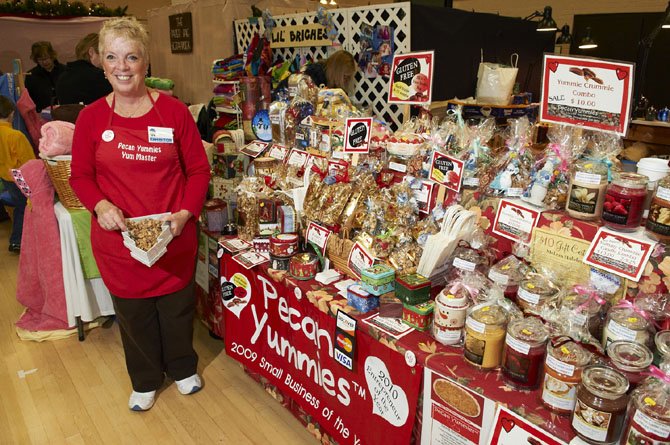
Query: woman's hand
[
  {"x": 178, "y": 221},
  {"x": 110, "y": 217}
]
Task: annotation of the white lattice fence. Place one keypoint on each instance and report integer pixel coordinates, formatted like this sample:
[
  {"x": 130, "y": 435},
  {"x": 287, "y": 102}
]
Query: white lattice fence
[{"x": 371, "y": 92}]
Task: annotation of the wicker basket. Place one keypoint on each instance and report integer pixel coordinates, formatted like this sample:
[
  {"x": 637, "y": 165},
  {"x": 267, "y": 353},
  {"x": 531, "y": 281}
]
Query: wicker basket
[
  {"x": 337, "y": 252},
  {"x": 58, "y": 169}
]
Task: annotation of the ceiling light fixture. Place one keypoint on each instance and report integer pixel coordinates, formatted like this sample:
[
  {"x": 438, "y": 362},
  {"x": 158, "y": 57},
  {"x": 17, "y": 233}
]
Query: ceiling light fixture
[
  {"x": 587, "y": 41},
  {"x": 547, "y": 23}
]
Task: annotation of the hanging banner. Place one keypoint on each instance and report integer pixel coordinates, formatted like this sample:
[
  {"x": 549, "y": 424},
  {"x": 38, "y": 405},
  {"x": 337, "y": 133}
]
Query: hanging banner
[
  {"x": 587, "y": 92},
  {"x": 300, "y": 35},
  {"x": 412, "y": 78},
  {"x": 274, "y": 331}
]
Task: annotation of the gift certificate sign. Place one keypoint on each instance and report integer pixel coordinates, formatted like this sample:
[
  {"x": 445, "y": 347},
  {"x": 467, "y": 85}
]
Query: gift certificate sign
[
  {"x": 514, "y": 221},
  {"x": 587, "y": 92},
  {"x": 357, "y": 134},
  {"x": 624, "y": 255},
  {"x": 447, "y": 171},
  {"x": 412, "y": 78},
  {"x": 511, "y": 429}
]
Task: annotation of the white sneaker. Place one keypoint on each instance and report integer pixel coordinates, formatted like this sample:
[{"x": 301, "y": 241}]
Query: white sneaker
[
  {"x": 141, "y": 401},
  {"x": 189, "y": 385}
]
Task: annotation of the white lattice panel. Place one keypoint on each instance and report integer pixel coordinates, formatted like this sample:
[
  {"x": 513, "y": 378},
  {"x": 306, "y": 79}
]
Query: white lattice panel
[{"x": 368, "y": 92}]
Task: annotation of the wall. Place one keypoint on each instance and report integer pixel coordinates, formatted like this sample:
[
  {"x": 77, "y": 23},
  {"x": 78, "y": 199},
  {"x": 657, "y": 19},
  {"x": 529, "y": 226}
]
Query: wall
[
  {"x": 563, "y": 10},
  {"x": 138, "y": 8}
]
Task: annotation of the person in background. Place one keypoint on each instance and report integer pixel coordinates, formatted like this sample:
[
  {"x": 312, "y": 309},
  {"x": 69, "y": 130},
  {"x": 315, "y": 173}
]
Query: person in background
[
  {"x": 136, "y": 152},
  {"x": 337, "y": 71},
  {"x": 83, "y": 81},
  {"x": 41, "y": 80},
  {"x": 15, "y": 150}
]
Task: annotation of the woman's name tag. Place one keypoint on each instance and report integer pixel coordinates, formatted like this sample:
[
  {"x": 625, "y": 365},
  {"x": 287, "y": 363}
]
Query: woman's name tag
[{"x": 161, "y": 135}]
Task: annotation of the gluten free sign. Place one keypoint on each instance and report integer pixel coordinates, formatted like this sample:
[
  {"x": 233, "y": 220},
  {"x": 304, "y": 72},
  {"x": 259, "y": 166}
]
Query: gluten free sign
[{"x": 357, "y": 135}]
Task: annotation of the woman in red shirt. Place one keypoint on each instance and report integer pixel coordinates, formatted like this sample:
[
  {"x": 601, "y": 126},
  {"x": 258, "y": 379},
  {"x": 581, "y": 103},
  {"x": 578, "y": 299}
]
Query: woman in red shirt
[{"x": 137, "y": 152}]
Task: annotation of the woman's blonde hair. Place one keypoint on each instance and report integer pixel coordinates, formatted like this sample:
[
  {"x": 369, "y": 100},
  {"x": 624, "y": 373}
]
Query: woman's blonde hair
[
  {"x": 340, "y": 68},
  {"x": 127, "y": 27},
  {"x": 90, "y": 41}
]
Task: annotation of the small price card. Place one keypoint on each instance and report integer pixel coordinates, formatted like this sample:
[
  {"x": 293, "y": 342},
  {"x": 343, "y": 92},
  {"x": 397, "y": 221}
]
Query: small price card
[
  {"x": 515, "y": 221},
  {"x": 623, "y": 254}
]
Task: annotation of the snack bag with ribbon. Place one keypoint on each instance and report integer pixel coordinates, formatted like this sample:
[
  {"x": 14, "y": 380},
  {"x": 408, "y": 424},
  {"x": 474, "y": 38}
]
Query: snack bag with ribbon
[
  {"x": 510, "y": 174},
  {"x": 550, "y": 176},
  {"x": 477, "y": 156}
]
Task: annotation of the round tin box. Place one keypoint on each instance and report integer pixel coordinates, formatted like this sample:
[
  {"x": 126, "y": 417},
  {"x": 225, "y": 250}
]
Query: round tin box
[
  {"x": 284, "y": 244},
  {"x": 303, "y": 266}
]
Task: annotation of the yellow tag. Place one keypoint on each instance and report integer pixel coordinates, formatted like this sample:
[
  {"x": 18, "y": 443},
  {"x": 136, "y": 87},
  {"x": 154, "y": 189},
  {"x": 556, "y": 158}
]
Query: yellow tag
[
  {"x": 565, "y": 350},
  {"x": 486, "y": 308},
  {"x": 588, "y": 165},
  {"x": 530, "y": 286},
  {"x": 450, "y": 296},
  {"x": 526, "y": 331},
  {"x": 632, "y": 319},
  {"x": 505, "y": 267},
  {"x": 649, "y": 401}
]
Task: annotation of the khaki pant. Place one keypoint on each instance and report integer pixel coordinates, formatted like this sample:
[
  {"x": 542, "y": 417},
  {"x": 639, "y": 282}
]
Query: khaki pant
[{"x": 157, "y": 337}]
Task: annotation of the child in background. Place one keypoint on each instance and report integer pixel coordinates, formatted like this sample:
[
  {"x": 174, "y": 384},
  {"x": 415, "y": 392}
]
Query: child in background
[{"x": 15, "y": 150}]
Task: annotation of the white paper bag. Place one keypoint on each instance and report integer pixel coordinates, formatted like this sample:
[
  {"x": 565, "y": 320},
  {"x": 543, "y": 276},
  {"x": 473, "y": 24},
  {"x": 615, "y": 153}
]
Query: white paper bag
[{"x": 495, "y": 82}]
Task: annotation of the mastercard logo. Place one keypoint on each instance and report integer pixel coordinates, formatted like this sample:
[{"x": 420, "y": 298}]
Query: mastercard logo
[{"x": 344, "y": 343}]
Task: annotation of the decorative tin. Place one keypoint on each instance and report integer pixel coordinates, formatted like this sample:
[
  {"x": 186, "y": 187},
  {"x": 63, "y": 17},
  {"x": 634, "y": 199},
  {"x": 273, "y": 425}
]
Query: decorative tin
[
  {"x": 267, "y": 211},
  {"x": 303, "y": 266},
  {"x": 378, "y": 279},
  {"x": 279, "y": 263},
  {"x": 360, "y": 299},
  {"x": 390, "y": 306},
  {"x": 261, "y": 245},
  {"x": 418, "y": 316},
  {"x": 413, "y": 288},
  {"x": 286, "y": 219},
  {"x": 284, "y": 244}
]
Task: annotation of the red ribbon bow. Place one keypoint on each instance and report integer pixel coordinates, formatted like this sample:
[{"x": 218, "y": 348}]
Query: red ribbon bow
[
  {"x": 657, "y": 373},
  {"x": 644, "y": 314},
  {"x": 592, "y": 295}
]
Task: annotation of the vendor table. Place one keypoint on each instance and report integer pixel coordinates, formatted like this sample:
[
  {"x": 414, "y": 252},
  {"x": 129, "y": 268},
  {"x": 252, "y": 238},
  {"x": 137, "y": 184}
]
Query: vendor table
[{"x": 86, "y": 299}]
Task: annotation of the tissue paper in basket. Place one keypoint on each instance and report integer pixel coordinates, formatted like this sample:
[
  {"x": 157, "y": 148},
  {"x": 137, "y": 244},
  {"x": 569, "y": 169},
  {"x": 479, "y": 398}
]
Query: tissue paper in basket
[{"x": 150, "y": 256}]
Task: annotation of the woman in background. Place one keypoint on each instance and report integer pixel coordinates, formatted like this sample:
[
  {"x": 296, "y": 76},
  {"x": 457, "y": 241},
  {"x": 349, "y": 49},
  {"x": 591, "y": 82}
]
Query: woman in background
[
  {"x": 337, "y": 71},
  {"x": 83, "y": 81},
  {"x": 41, "y": 80}
]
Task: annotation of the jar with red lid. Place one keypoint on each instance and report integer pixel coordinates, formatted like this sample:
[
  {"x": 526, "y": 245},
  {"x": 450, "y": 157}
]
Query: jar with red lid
[
  {"x": 600, "y": 410},
  {"x": 624, "y": 201},
  {"x": 563, "y": 368},
  {"x": 631, "y": 359},
  {"x": 649, "y": 414},
  {"x": 525, "y": 345}
]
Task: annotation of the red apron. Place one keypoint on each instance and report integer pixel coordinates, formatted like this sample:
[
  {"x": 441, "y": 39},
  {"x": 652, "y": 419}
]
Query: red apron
[{"x": 141, "y": 177}]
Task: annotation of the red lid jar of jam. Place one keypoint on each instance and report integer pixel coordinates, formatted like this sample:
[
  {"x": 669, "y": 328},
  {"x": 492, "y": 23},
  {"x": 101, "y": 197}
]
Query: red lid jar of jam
[
  {"x": 631, "y": 358},
  {"x": 649, "y": 415},
  {"x": 601, "y": 405},
  {"x": 535, "y": 293},
  {"x": 523, "y": 356},
  {"x": 624, "y": 201},
  {"x": 562, "y": 373}
]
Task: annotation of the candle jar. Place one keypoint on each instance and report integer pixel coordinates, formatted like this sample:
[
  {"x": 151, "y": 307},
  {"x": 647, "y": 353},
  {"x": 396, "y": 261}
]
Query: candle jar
[
  {"x": 507, "y": 273},
  {"x": 662, "y": 353},
  {"x": 467, "y": 259},
  {"x": 449, "y": 317},
  {"x": 649, "y": 415},
  {"x": 658, "y": 222},
  {"x": 601, "y": 405},
  {"x": 624, "y": 201},
  {"x": 563, "y": 368},
  {"x": 535, "y": 293},
  {"x": 631, "y": 359},
  {"x": 523, "y": 356},
  {"x": 623, "y": 323},
  {"x": 585, "y": 311},
  {"x": 485, "y": 336},
  {"x": 587, "y": 190}
]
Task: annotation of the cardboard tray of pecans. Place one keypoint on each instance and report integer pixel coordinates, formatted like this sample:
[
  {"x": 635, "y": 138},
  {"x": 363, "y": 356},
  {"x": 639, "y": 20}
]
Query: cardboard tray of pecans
[{"x": 147, "y": 238}]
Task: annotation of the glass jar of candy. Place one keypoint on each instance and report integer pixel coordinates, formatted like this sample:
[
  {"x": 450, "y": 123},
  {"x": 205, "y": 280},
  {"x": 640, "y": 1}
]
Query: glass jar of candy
[
  {"x": 563, "y": 368},
  {"x": 535, "y": 293},
  {"x": 587, "y": 189},
  {"x": 649, "y": 414},
  {"x": 624, "y": 201},
  {"x": 631, "y": 359},
  {"x": 600, "y": 410},
  {"x": 658, "y": 221},
  {"x": 525, "y": 345},
  {"x": 485, "y": 329}
]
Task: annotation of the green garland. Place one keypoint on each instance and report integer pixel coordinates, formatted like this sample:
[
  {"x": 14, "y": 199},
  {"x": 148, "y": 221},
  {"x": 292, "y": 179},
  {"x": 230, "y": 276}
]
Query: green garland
[{"x": 59, "y": 8}]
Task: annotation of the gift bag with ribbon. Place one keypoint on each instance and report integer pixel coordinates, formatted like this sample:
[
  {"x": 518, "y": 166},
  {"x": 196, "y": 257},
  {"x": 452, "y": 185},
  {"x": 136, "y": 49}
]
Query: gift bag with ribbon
[{"x": 495, "y": 82}]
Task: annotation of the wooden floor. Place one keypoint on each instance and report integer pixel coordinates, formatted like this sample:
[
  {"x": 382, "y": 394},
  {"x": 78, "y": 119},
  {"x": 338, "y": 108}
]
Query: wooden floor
[{"x": 79, "y": 391}]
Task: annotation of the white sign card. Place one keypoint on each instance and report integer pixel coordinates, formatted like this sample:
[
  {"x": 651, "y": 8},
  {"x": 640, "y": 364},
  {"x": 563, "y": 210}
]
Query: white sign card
[
  {"x": 318, "y": 235},
  {"x": 515, "y": 221},
  {"x": 512, "y": 429},
  {"x": 359, "y": 259},
  {"x": 254, "y": 148},
  {"x": 278, "y": 151},
  {"x": 412, "y": 78},
  {"x": 623, "y": 254}
]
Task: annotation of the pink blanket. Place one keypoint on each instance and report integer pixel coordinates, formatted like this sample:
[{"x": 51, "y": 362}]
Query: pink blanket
[
  {"x": 56, "y": 138},
  {"x": 34, "y": 121},
  {"x": 39, "y": 284}
]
